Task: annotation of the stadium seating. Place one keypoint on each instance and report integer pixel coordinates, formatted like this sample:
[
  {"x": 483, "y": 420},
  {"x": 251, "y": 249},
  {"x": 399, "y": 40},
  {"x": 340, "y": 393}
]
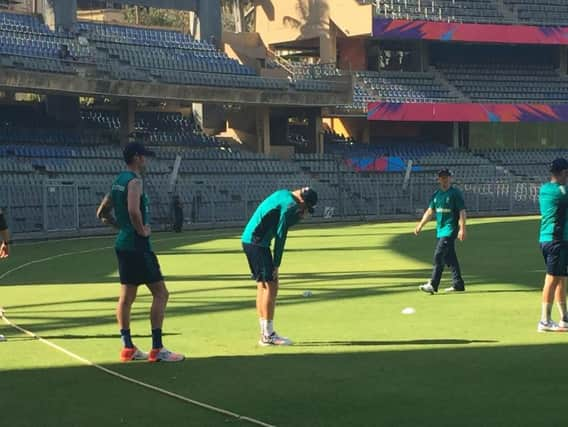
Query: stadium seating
[
  {"x": 398, "y": 86},
  {"x": 481, "y": 11},
  {"x": 129, "y": 53},
  {"x": 542, "y": 12},
  {"x": 504, "y": 83}
]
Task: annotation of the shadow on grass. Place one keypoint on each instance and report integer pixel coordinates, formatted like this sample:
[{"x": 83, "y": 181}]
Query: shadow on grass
[
  {"x": 390, "y": 343},
  {"x": 442, "y": 386}
]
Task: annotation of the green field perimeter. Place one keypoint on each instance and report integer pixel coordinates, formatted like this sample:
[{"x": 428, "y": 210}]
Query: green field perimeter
[{"x": 461, "y": 359}]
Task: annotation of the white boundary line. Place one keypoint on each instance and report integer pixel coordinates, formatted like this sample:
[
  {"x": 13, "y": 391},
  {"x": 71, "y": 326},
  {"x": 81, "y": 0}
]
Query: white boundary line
[
  {"x": 109, "y": 236},
  {"x": 109, "y": 371}
]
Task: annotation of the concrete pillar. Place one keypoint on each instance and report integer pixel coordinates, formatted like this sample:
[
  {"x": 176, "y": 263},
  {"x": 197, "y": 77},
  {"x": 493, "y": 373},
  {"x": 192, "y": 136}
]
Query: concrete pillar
[
  {"x": 563, "y": 60},
  {"x": 456, "y": 135},
  {"x": 63, "y": 108},
  {"x": 318, "y": 131},
  {"x": 263, "y": 129},
  {"x": 328, "y": 45},
  {"x": 58, "y": 13},
  {"x": 127, "y": 120},
  {"x": 209, "y": 22},
  {"x": 366, "y": 133},
  {"x": 424, "y": 55}
]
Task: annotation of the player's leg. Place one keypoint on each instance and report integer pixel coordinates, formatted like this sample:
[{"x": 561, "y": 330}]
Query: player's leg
[
  {"x": 128, "y": 272},
  {"x": 268, "y": 307},
  {"x": 548, "y": 291},
  {"x": 554, "y": 270},
  {"x": 560, "y": 298},
  {"x": 438, "y": 267},
  {"x": 123, "y": 309},
  {"x": 160, "y": 297},
  {"x": 458, "y": 284}
]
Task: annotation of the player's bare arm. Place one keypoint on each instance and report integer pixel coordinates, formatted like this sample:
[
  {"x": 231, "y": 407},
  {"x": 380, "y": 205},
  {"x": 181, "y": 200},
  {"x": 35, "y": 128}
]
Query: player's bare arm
[
  {"x": 462, "y": 232},
  {"x": 425, "y": 218},
  {"x": 104, "y": 212},
  {"x": 134, "y": 194}
]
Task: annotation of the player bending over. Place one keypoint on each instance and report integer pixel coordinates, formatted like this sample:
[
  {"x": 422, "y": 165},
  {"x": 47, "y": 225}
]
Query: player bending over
[{"x": 271, "y": 220}]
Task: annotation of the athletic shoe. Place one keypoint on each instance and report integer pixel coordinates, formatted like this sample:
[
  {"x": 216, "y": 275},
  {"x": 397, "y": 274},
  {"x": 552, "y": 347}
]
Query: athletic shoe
[
  {"x": 428, "y": 288},
  {"x": 164, "y": 355},
  {"x": 2, "y": 338},
  {"x": 563, "y": 324},
  {"x": 273, "y": 339},
  {"x": 452, "y": 289},
  {"x": 128, "y": 354},
  {"x": 550, "y": 326}
]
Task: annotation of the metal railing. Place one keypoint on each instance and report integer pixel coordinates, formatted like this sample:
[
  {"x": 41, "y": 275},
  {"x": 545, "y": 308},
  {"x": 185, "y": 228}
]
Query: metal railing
[{"x": 56, "y": 206}]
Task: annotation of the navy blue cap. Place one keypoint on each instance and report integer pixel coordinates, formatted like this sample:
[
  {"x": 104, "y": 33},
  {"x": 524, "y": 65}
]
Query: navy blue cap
[
  {"x": 558, "y": 165},
  {"x": 444, "y": 172},
  {"x": 135, "y": 149},
  {"x": 310, "y": 198}
]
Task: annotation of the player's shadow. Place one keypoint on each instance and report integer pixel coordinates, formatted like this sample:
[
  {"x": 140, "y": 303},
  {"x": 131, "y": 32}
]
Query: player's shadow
[
  {"x": 380, "y": 343},
  {"x": 85, "y": 336}
]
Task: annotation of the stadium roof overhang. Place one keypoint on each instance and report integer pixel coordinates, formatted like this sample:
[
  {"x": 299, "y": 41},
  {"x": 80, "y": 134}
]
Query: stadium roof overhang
[{"x": 74, "y": 85}]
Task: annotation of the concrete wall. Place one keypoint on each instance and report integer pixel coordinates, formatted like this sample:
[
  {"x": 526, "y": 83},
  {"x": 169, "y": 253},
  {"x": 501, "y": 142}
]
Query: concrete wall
[
  {"x": 58, "y": 13},
  {"x": 46, "y": 83},
  {"x": 352, "y": 54},
  {"x": 280, "y": 21}
]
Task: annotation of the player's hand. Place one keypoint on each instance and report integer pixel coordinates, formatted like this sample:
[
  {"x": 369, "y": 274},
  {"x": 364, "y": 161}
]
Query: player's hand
[
  {"x": 417, "y": 230},
  {"x": 461, "y": 234},
  {"x": 4, "y": 251},
  {"x": 147, "y": 231}
]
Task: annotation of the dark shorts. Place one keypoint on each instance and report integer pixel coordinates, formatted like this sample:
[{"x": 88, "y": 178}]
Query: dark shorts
[
  {"x": 138, "y": 267},
  {"x": 556, "y": 258},
  {"x": 260, "y": 262}
]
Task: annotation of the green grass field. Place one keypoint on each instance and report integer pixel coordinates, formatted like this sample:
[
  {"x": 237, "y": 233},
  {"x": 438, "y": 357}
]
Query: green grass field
[{"x": 470, "y": 359}]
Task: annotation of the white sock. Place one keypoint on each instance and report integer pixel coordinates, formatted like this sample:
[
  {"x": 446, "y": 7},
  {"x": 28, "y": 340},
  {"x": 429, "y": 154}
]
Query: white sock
[
  {"x": 562, "y": 310},
  {"x": 262, "y": 326},
  {"x": 546, "y": 312},
  {"x": 269, "y": 327}
]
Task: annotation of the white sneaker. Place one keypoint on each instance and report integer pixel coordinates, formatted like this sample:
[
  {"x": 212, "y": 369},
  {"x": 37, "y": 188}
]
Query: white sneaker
[
  {"x": 2, "y": 338},
  {"x": 273, "y": 339},
  {"x": 550, "y": 326},
  {"x": 563, "y": 324},
  {"x": 428, "y": 288},
  {"x": 452, "y": 289},
  {"x": 164, "y": 355}
]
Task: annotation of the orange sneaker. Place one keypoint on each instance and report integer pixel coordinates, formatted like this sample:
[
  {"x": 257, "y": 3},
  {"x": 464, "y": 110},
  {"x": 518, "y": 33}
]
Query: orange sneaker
[
  {"x": 164, "y": 355},
  {"x": 128, "y": 354}
]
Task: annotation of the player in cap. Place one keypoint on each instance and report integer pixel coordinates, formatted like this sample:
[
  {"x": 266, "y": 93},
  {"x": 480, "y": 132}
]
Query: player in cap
[
  {"x": 271, "y": 220},
  {"x": 137, "y": 263},
  {"x": 448, "y": 205},
  {"x": 553, "y": 202}
]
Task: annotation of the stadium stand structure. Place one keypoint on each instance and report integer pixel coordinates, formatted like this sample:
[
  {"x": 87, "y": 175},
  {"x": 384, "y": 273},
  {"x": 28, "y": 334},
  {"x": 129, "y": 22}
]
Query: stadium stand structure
[{"x": 121, "y": 53}]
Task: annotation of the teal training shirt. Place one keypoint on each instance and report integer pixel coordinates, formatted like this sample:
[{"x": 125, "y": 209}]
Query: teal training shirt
[
  {"x": 271, "y": 220},
  {"x": 447, "y": 206},
  {"x": 128, "y": 239},
  {"x": 553, "y": 203}
]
